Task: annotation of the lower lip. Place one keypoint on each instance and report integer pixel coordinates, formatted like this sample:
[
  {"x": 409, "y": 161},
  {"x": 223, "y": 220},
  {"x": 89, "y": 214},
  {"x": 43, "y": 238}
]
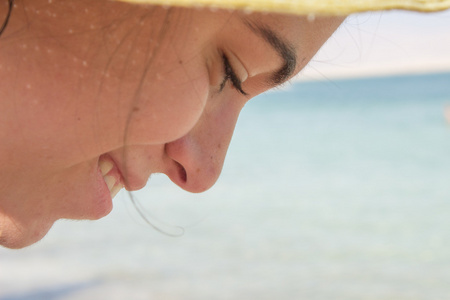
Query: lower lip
[
  {"x": 102, "y": 202},
  {"x": 106, "y": 196}
]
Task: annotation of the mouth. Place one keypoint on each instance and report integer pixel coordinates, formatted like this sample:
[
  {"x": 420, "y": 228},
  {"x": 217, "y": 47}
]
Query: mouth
[{"x": 111, "y": 176}]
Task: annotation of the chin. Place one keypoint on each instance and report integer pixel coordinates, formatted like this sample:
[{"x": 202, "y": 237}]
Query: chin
[{"x": 15, "y": 236}]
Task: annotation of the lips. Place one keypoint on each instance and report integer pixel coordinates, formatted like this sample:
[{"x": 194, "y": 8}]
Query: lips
[{"x": 110, "y": 175}]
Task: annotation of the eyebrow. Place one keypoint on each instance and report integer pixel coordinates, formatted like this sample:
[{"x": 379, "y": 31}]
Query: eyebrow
[{"x": 284, "y": 49}]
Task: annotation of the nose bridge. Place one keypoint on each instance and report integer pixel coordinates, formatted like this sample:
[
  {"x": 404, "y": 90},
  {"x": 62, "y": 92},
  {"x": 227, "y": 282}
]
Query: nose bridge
[{"x": 202, "y": 151}]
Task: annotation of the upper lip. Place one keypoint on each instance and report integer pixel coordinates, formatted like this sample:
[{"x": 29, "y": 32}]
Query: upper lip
[{"x": 130, "y": 180}]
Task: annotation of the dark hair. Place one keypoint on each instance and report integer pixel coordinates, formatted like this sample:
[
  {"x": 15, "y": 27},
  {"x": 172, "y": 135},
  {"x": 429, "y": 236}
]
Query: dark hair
[
  {"x": 8, "y": 15},
  {"x": 152, "y": 221}
]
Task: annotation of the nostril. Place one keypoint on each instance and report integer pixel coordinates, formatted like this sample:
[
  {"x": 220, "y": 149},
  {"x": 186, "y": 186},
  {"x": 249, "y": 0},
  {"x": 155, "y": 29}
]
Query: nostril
[{"x": 181, "y": 172}]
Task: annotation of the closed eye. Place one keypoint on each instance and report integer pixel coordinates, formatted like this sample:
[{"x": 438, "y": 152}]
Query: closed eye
[{"x": 231, "y": 75}]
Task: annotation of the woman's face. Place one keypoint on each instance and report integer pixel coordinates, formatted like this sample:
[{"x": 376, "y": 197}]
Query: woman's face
[{"x": 97, "y": 95}]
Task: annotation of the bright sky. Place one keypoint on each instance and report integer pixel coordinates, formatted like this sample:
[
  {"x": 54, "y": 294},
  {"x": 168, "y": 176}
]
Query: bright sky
[{"x": 394, "y": 42}]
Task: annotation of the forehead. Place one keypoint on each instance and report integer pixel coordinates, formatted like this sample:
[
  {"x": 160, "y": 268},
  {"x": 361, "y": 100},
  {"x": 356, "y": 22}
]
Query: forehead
[
  {"x": 292, "y": 27},
  {"x": 295, "y": 29}
]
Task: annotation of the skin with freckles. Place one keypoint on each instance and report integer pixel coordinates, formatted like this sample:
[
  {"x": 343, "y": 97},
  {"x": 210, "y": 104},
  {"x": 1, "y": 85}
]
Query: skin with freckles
[{"x": 136, "y": 91}]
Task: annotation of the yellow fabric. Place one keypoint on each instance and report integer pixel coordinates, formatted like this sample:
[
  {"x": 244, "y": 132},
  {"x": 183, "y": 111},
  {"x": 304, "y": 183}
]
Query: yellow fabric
[{"x": 330, "y": 7}]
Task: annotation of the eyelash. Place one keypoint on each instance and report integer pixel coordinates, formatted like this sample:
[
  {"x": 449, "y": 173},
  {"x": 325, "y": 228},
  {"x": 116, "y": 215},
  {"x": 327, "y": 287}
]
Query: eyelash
[{"x": 231, "y": 75}]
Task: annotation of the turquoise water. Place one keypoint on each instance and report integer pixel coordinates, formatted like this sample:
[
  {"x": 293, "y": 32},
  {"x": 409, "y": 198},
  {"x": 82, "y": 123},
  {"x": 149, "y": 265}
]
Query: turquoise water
[{"x": 331, "y": 190}]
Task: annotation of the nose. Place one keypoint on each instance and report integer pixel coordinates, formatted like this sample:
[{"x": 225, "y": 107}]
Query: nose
[{"x": 200, "y": 154}]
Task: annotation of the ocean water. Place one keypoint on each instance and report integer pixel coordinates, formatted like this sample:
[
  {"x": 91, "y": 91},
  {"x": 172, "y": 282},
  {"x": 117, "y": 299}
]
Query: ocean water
[{"x": 331, "y": 190}]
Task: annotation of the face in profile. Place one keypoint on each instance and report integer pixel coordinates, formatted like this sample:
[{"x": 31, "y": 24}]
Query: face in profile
[{"x": 93, "y": 102}]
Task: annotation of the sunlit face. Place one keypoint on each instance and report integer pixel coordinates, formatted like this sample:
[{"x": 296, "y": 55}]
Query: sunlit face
[{"x": 93, "y": 101}]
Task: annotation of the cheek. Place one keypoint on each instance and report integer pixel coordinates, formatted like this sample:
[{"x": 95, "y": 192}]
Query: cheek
[{"x": 168, "y": 106}]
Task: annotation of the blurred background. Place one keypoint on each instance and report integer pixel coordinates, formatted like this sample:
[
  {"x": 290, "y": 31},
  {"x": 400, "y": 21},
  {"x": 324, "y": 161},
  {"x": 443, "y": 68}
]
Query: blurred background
[
  {"x": 378, "y": 44},
  {"x": 336, "y": 186}
]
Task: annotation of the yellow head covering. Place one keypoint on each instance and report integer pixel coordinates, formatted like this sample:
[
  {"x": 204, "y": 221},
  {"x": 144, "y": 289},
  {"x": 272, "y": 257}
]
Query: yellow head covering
[{"x": 302, "y": 7}]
